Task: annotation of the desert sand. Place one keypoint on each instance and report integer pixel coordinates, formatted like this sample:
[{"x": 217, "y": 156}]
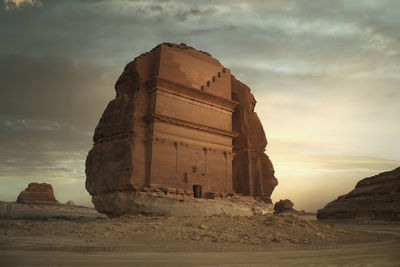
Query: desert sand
[{"x": 60, "y": 235}]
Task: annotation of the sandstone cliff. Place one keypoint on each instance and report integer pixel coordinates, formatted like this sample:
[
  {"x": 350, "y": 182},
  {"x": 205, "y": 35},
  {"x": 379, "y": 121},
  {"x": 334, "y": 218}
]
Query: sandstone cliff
[
  {"x": 375, "y": 198},
  {"x": 253, "y": 172}
]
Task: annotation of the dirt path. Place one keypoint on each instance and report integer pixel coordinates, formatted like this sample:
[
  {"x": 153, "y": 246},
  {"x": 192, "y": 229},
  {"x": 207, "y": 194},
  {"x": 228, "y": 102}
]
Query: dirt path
[
  {"x": 372, "y": 254},
  {"x": 382, "y": 228}
]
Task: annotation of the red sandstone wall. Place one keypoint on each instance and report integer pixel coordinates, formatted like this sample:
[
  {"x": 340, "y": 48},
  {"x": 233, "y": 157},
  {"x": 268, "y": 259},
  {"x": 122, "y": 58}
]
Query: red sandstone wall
[
  {"x": 253, "y": 172},
  {"x": 194, "y": 69}
]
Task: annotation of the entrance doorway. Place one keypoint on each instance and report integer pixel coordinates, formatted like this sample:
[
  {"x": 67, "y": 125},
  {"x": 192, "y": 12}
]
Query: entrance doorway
[{"x": 197, "y": 192}]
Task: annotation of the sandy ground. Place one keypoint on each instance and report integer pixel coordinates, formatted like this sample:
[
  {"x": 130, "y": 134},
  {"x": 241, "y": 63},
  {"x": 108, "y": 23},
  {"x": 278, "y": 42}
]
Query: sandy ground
[
  {"x": 66, "y": 236},
  {"x": 375, "y": 254}
]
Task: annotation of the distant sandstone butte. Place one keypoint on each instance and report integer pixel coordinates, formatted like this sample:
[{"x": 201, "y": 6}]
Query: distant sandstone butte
[
  {"x": 37, "y": 194},
  {"x": 375, "y": 198},
  {"x": 182, "y": 124}
]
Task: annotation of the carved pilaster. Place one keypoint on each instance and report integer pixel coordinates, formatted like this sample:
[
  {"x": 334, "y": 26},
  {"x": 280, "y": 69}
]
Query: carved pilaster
[{"x": 205, "y": 161}]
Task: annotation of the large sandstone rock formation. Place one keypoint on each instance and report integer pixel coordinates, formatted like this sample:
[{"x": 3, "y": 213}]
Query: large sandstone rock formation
[
  {"x": 376, "y": 198},
  {"x": 37, "y": 194},
  {"x": 181, "y": 124}
]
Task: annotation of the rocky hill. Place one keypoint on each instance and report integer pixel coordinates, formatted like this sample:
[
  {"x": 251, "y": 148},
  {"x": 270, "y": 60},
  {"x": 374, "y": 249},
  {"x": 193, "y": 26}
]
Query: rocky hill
[
  {"x": 37, "y": 193},
  {"x": 374, "y": 198}
]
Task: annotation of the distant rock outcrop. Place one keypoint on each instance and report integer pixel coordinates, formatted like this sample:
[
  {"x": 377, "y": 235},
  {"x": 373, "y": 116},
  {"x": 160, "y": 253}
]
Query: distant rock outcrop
[
  {"x": 70, "y": 203},
  {"x": 37, "y": 193},
  {"x": 375, "y": 198},
  {"x": 284, "y": 206}
]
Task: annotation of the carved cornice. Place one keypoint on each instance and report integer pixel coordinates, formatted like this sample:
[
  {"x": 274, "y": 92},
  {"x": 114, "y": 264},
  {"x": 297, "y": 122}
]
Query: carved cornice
[
  {"x": 188, "y": 124},
  {"x": 192, "y": 93}
]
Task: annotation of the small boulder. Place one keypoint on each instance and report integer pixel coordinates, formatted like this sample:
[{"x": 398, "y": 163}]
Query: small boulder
[
  {"x": 70, "y": 203},
  {"x": 283, "y": 206},
  {"x": 37, "y": 193}
]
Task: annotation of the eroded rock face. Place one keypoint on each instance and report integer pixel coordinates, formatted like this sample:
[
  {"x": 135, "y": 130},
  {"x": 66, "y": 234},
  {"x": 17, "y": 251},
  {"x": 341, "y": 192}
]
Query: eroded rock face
[
  {"x": 179, "y": 122},
  {"x": 37, "y": 193},
  {"x": 283, "y": 206},
  {"x": 253, "y": 172},
  {"x": 375, "y": 198}
]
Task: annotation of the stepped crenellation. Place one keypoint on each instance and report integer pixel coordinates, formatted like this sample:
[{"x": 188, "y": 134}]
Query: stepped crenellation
[{"x": 214, "y": 79}]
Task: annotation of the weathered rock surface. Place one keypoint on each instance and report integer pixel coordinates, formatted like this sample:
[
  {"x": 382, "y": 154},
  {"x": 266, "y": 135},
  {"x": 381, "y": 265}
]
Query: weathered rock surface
[
  {"x": 130, "y": 202},
  {"x": 253, "y": 172},
  {"x": 284, "y": 206},
  {"x": 179, "y": 122},
  {"x": 374, "y": 198},
  {"x": 37, "y": 193}
]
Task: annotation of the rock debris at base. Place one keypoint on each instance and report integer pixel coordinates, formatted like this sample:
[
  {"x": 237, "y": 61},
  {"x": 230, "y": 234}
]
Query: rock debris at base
[{"x": 264, "y": 231}]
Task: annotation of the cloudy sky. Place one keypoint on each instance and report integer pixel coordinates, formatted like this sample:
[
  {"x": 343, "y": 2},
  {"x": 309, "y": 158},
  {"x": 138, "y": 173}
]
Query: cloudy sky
[{"x": 326, "y": 76}]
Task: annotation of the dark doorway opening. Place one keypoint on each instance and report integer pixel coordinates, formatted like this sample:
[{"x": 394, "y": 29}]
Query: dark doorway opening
[{"x": 197, "y": 191}]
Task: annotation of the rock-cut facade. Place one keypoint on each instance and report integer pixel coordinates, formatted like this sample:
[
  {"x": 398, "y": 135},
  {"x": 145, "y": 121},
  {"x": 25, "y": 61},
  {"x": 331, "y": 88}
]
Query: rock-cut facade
[{"x": 180, "y": 122}]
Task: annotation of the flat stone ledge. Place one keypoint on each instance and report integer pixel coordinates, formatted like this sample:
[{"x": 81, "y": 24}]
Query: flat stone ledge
[{"x": 130, "y": 202}]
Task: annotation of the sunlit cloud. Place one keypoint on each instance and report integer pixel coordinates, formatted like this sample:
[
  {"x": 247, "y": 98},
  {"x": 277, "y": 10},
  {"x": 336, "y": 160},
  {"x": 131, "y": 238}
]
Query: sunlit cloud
[{"x": 12, "y": 4}]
